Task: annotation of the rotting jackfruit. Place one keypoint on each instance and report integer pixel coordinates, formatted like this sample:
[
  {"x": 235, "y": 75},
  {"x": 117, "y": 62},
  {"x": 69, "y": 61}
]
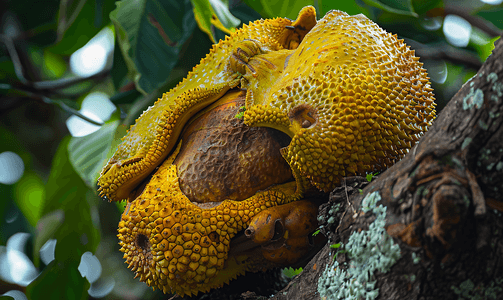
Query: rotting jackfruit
[{"x": 351, "y": 98}]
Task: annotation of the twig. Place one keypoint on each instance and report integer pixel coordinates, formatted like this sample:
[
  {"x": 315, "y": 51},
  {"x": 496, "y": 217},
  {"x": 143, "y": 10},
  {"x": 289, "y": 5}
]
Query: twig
[
  {"x": 66, "y": 82},
  {"x": 18, "y": 67},
  {"x": 475, "y": 21},
  {"x": 445, "y": 51},
  {"x": 48, "y": 85},
  {"x": 59, "y": 104},
  {"x": 347, "y": 196}
]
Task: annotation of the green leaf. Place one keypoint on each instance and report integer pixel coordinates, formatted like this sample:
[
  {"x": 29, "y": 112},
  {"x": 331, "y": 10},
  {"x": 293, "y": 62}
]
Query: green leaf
[
  {"x": 423, "y": 6},
  {"x": 349, "y": 7},
  {"x": 77, "y": 232},
  {"x": 257, "y": 6},
  {"x": 65, "y": 190},
  {"x": 88, "y": 154},
  {"x": 291, "y": 272},
  {"x": 54, "y": 65},
  {"x": 369, "y": 176},
  {"x": 151, "y": 34},
  {"x": 119, "y": 69},
  {"x": 224, "y": 15},
  {"x": 79, "y": 21},
  {"x": 125, "y": 97},
  {"x": 492, "y": 14},
  {"x": 335, "y": 246},
  {"x": 487, "y": 49},
  {"x": 30, "y": 196},
  {"x": 243, "y": 12},
  {"x": 482, "y": 43},
  {"x": 59, "y": 281},
  {"x": 241, "y": 112},
  {"x": 46, "y": 228},
  {"x": 203, "y": 13},
  {"x": 7, "y": 74},
  {"x": 13, "y": 198},
  {"x": 393, "y": 6},
  {"x": 214, "y": 13},
  {"x": 284, "y": 8}
]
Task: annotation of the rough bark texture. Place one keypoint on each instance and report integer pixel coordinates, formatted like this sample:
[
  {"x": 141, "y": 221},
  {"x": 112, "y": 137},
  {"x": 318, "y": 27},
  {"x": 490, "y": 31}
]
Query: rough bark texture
[
  {"x": 444, "y": 208},
  {"x": 443, "y": 201}
]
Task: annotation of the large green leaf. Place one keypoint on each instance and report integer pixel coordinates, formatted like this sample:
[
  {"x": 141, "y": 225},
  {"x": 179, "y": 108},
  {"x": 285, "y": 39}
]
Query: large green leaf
[
  {"x": 290, "y": 9},
  {"x": 349, "y": 7},
  {"x": 119, "y": 69},
  {"x": 45, "y": 230},
  {"x": 492, "y": 14},
  {"x": 203, "y": 14},
  {"x": 11, "y": 202},
  {"x": 243, "y": 12},
  {"x": 223, "y": 14},
  {"x": 209, "y": 13},
  {"x": 257, "y": 6},
  {"x": 88, "y": 153},
  {"x": 423, "y": 6},
  {"x": 79, "y": 21},
  {"x": 59, "y": 281},
  {"x": 150, "y": 35},
  {"x": 30, "y": 196},
  {"x": 67, "y": 198},
  {"x": 393, "y": 6},
  {"x": 282, "y": 8}
]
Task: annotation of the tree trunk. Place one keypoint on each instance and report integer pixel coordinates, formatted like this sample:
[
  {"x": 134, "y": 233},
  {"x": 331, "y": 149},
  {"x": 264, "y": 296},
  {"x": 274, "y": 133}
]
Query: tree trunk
[{"x": 443, "y": 210}]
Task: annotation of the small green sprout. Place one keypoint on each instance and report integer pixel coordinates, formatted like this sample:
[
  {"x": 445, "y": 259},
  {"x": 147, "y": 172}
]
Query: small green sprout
[
  {"x": 316, "y": 232},
  {"x": 335, "y": 246},
  {"x": 241, "y": 112},
  {"x": 291, "y": 272},
  {"x": 370, "y": 176}
]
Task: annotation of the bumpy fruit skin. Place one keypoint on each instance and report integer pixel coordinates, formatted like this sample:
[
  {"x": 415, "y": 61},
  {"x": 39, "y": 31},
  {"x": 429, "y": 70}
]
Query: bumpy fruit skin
[
  {"x": 156, "y": 131},
  {"x": 181, "y": 246},
  {"x": 220, "y": 158},
  {"x": 352, "y": 98},
  {"x": 184, "y": 245}
]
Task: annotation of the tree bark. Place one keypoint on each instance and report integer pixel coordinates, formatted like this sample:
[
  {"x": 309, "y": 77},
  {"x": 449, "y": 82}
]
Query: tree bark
[{"x": 443, "y": 205}]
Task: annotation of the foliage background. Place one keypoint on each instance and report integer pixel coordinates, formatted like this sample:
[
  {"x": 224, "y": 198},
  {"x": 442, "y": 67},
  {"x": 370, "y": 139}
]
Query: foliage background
[{"x": 156, "y": 43}]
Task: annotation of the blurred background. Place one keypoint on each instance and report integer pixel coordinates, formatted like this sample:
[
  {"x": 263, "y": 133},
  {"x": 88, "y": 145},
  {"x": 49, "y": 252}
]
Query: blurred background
[{"x": 74, "y": 74}]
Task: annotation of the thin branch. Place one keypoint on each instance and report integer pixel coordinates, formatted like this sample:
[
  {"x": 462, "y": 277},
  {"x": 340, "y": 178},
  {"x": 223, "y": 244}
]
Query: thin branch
[
  {"x": 446, "y": 52},
  {"x": 49, "y": 84},
  {"x": 58, "y": 103},
  {"x": 475, "y": 21},
  {"x": 66, "y": 82},
  {"x": 18, "y": 67},
  {"x": 67, "y": 108},
  {"x": 50, "y": 26}
]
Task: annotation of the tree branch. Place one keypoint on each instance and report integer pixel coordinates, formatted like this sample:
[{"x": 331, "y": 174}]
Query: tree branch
[{"x": 443, "y": 205}]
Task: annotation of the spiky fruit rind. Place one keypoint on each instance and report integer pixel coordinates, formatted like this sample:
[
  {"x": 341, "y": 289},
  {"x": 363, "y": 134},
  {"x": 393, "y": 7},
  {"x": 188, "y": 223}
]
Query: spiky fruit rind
[
  {"x": 357, "y": 100},
  {"x": 155, "y": 133},
  {"x": 352, "y": 97},
  {"x": 177, "y": 246}
]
